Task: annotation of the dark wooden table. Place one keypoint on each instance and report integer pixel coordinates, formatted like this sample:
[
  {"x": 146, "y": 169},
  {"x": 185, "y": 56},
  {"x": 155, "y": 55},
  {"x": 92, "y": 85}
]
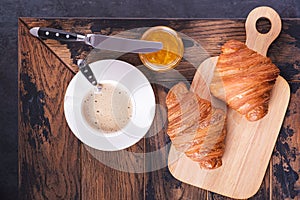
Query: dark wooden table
[{"x": 54, "y": 164}]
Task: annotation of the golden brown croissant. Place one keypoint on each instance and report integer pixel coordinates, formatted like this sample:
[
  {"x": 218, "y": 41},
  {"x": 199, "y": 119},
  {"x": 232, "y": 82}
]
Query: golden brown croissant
[
  {"x": 195, "y": 127},
  {"x": 244, "y": 80}
]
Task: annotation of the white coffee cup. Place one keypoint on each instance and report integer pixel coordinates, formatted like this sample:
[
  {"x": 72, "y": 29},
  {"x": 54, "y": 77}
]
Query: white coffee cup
[{"x": 142, "y": 98}]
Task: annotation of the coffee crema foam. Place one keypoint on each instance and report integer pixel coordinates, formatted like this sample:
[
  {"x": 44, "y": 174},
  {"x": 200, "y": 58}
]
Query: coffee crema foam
[{"x": 108, "y": 110}]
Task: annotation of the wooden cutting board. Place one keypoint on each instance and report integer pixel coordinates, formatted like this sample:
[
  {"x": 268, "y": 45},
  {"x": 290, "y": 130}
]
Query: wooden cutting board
[{"x": 249, "y": 145}]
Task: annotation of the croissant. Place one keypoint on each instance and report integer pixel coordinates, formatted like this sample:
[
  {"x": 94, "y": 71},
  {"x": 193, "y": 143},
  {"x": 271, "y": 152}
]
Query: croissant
[
  {"x": 244, "y": 80},
  {"x": 195, "y": 127}
]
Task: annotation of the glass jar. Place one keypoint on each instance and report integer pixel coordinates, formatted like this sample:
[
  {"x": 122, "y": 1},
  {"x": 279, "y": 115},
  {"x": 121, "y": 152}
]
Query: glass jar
[{"x": 171, "y": 53}]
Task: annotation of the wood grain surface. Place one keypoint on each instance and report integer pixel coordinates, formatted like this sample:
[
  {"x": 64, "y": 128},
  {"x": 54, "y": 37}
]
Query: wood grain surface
[
  {"x": 65, "y": 169},
  {"x": 49, "y": 154}
]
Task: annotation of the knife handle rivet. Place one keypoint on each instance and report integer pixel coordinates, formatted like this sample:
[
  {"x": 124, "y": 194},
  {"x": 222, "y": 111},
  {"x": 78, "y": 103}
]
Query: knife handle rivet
[
  {"x": 90, "y": 77},
  {"x": 47, "y": 33},
  {"x": 56, "y": 34},
  {"x": 85, "y": 71},
  {"x": 67, "y": 36}
]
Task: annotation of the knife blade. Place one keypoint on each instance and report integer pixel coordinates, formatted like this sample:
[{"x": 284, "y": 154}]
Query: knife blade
[{"x": 99, "y": 41}]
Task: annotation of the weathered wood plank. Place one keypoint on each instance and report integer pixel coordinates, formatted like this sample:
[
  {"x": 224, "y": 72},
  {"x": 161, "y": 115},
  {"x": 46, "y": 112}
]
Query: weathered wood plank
[
  {"x": 49, "y": 154},
  {"x": 113, "y": 175},
  {"x": 285, "y": 51},
  {"x": 286, "y": 155}
]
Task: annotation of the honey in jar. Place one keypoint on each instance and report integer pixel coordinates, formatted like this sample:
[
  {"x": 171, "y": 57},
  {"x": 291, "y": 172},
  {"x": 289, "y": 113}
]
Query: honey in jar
[{"x": 171, "y": 53}]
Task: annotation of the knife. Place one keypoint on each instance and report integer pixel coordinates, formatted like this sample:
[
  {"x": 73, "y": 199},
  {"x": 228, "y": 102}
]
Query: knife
[
  {"x": 87, "y": 71},
  {"x": 88, "y": 74},
  {"x": 99, "y": 41}
]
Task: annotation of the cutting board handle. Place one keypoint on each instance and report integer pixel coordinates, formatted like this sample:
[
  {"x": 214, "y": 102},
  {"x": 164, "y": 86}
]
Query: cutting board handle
[{"x": 255, "y": 40}]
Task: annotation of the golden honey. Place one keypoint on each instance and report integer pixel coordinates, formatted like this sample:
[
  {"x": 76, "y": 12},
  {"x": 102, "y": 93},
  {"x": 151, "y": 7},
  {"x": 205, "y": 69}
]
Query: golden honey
[{"x": 171, "y": 53}]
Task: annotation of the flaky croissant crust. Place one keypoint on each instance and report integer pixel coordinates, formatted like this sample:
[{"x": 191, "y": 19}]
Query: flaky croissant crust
[
  {"x": 244, "y": 79},
  {"x": 195, "y": 127}
]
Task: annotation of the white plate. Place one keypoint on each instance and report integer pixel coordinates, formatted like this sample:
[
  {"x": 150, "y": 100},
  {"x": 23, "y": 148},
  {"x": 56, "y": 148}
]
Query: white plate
[{"x": 142, "y": 97}]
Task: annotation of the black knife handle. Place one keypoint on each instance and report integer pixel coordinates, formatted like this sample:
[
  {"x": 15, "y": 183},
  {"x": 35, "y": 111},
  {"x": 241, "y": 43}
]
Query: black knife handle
[{"x": 56, "y": 34}]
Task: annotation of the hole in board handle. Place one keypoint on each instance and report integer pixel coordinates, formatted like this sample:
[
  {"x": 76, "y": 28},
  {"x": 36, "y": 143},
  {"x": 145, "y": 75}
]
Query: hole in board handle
[{"x": 263, "y": 25}]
